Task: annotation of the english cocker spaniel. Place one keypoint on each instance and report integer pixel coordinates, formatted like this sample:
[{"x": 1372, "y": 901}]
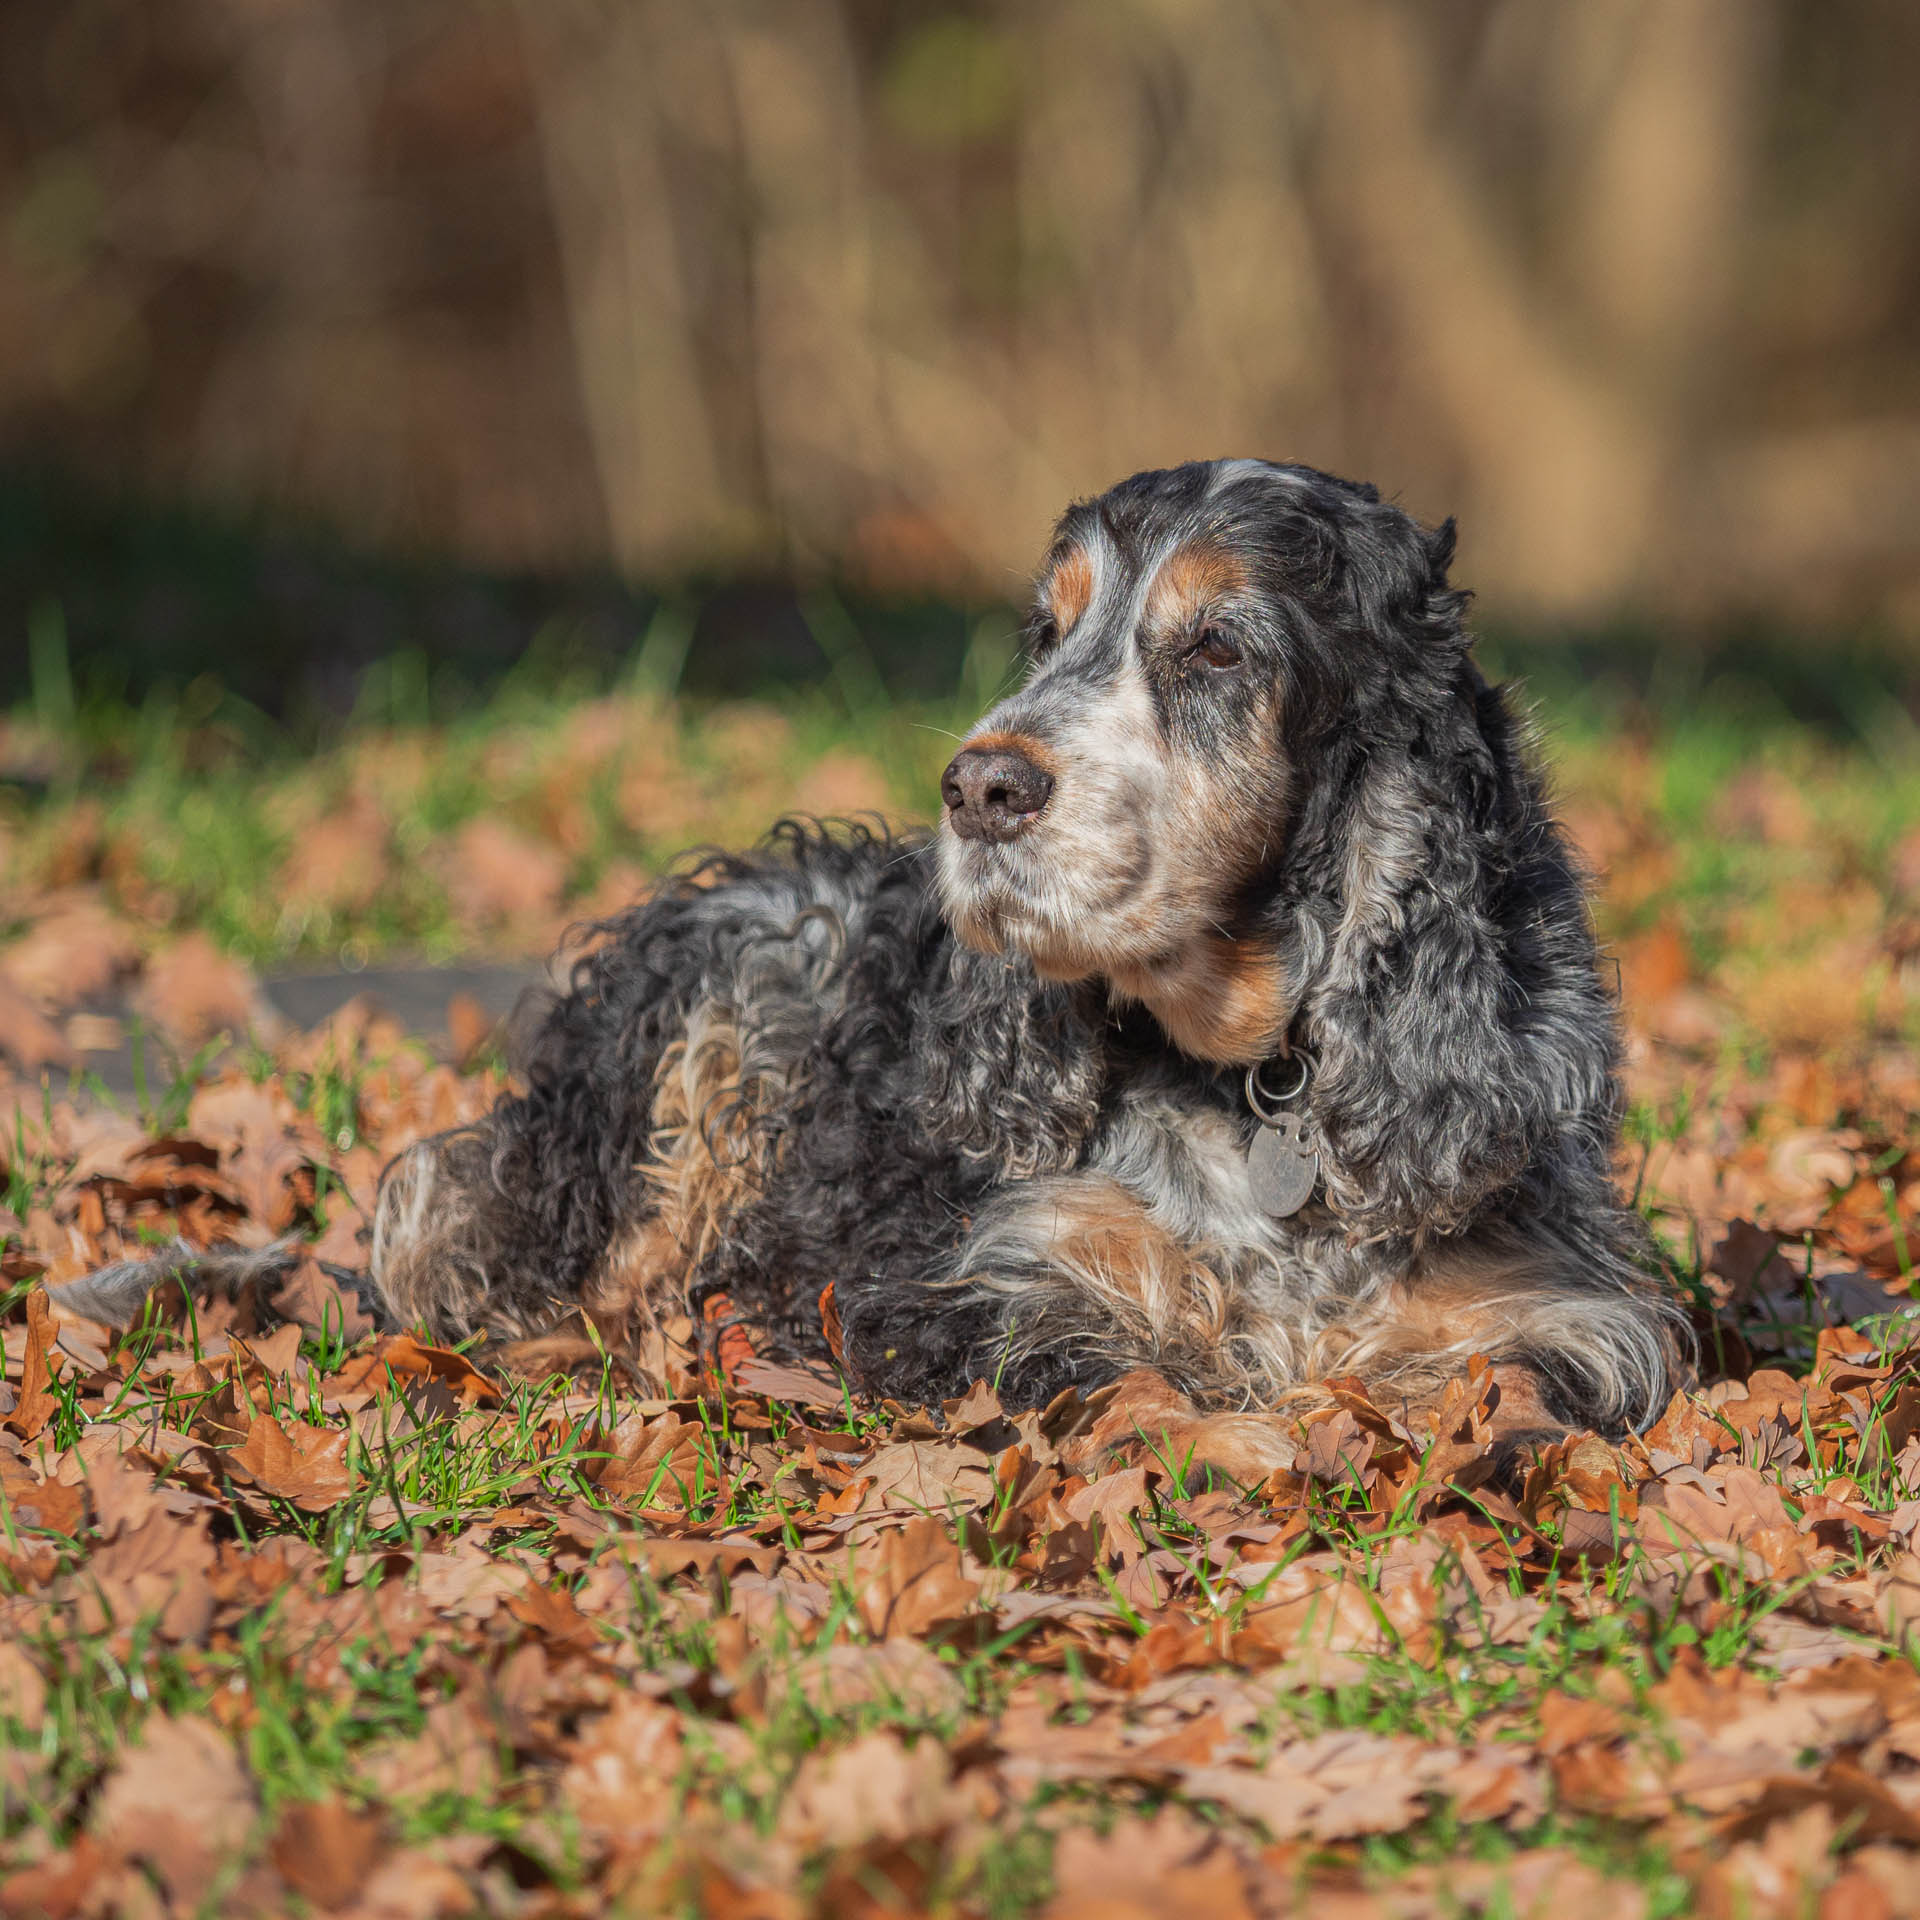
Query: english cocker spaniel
[{"x": 1242, "y": 1019}]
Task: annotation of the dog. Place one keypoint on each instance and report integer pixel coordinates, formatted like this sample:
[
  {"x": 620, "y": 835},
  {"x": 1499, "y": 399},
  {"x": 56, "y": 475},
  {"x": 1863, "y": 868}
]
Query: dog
[{"x": 1242, "y": 1019}]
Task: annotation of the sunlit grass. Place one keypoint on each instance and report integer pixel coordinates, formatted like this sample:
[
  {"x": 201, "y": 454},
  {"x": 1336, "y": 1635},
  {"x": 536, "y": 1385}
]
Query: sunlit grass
[{"x": 197, "y": 825}]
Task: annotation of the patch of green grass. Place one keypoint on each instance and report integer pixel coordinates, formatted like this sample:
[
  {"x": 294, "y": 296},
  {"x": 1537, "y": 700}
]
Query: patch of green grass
[
  {"x": 197, "y": 817},
  {"x": 31, "y": 1174},
  {"x": 1617, "y": 1849}
]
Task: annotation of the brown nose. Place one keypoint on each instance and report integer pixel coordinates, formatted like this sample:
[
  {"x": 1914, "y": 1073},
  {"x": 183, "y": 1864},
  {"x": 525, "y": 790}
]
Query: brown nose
[{"x": 992, "y": 792}]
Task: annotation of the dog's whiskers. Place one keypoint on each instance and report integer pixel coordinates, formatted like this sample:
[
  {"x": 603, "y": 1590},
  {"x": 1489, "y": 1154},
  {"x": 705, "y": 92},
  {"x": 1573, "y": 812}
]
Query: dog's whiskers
[{"x": 925, "y": 848}]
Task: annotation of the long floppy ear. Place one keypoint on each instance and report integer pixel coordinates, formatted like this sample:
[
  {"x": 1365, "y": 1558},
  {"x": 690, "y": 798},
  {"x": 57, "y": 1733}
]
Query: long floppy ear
[{"x": 1462, "y": 1031}]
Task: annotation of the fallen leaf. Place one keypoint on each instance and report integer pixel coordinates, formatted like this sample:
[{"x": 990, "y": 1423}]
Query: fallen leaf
[
  {"x": 179, "y": 1802},
  {"x": 156, "y": 1570},
  {"x": 913, "y": 1580},
  {"x": 978, "y": 1407},
  {"x": 879, "y": 1788},
  {"x": 1168, "y": 1865},
  {"x": 1808, "y": 1166},
  {"x": 552, "y": 1614},
  {"x": 27, "y": 1036},
  {"x": 898, "y": 1674},
  {"x": 414, "y": 1883},
  {"x": 56, "y": 1888},
  {"x": 456, "y": 1752},
  {"x": 930, "y": 1476},
  {"x": 37, "y": 1403},
  {"x": 798, "y": 1386},
  {"x": 498, "y": 876},
  {"x": 192, "y": 991},
  {"x": 470, "y": 1027},
  {"x": 74, "y": 951},
  {"x": 1337, "y": 1452},
  {"x": 23, "y": 1694},
  {"x": 307, "y": 1466},
  {"x": 339, "y": 863},
  {"x": 1112, "y": 1501},
  {"x": 324, "y": 1850},
  {"x": 275, "y": 1352},
  {"x": 620, "y": 1780},
  {"x": 1567, "y": 1721},
  {"x": 659, "y": 1463},
  {"x": 257, "y": 1146},
  {"x": 469, "y": 1582},
  {"x": 315, "y": 1302},
  {"x": 403, "y": 1357},
  {"x": 123, "y": 1496}
]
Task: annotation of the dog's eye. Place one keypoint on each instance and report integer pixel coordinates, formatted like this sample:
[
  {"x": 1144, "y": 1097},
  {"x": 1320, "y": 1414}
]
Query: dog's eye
[
  {"x": 1043, "y": 633},
  {"x": 1214, "y": 647}
]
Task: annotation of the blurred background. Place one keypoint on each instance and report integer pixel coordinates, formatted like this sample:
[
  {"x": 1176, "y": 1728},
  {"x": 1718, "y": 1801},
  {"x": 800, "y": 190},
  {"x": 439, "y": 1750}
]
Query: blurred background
[
  {"x": 865, "y": 290},
  {"x": 453, "y": 452}
]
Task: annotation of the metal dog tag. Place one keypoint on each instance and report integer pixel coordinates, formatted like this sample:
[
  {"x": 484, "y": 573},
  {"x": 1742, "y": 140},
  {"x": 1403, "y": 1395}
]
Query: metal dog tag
[{"x": 1283, "y": 1165}]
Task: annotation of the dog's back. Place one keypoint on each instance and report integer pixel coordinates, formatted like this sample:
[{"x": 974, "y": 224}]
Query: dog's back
[{"x": 778, "y": 1071}]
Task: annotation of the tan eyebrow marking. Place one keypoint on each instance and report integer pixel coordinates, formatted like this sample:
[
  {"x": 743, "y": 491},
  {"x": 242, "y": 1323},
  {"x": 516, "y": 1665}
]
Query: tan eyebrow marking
[
  {"x": 1069, "y": 588},
  {"x": 1192, "y": 579}
]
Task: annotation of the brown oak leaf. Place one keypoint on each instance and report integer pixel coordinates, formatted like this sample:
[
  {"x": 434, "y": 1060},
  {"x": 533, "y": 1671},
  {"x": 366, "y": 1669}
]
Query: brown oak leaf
[
  {"x": 324, "y": 1850},
  {"x": 877, "y": 1789},
  {"x": 180, "y": 1802},
  {"x": 920, "y": 1583},
  {"x": 1167, "y": 1865},
  {"x": 27, "y": 1036},
  {"x": 404, "y": 1358},
  {"x": 307, "y": 1466}
]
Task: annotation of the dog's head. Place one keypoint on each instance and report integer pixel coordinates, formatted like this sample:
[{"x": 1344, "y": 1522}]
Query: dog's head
[
  {"x": 1203, "y": 640},
  {"x": 1255, "y": 782}
]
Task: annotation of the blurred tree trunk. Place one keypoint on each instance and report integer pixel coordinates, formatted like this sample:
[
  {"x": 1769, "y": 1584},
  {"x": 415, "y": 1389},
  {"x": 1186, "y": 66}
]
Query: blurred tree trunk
[
  {"x": 626, "y": 88},
  {"x": 801, "y": 119},
  {"x": 303, "y": 395}
]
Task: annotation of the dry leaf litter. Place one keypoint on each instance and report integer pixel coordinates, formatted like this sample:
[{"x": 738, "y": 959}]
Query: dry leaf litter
[{"x": 295, "y": 1617}]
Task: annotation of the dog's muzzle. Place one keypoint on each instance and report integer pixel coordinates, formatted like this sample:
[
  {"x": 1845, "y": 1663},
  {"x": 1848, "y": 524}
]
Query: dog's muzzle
[{"x": 993, "y": 793}]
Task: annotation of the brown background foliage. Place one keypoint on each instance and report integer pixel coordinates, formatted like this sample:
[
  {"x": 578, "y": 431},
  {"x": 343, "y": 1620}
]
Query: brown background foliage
[{"x": 874, "y": 285}]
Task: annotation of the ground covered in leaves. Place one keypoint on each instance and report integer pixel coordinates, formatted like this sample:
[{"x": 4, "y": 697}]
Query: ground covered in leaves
[{"x": 297, "y": 1618}]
